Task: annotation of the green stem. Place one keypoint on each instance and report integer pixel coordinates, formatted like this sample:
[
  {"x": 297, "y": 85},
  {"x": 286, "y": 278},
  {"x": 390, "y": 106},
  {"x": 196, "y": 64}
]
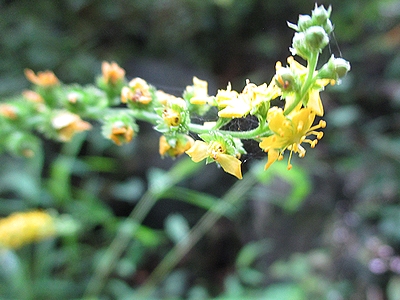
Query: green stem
[
  {"x": 124, "y": 235},
  {"x": 181, "y": 170},
  {"x": 310, "y": 80},
  {"x": 250, "y": 134},
  {"x": 231, "y": 198}
]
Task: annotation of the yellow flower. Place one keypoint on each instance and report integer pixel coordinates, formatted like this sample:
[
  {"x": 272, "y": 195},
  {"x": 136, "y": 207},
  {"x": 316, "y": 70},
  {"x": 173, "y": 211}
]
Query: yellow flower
[
  {"x": 112, "y": 73},
  {"x": 19, "y": 229},
  {"x": 8, "y": 111},
  {"x": 121, "y": 133},
  {"x": 163, "y": 98},
  {"x": 171, "y": 117},
  {"x": 314, "y": 101},
  {"x": 236, "y": 105},
  {"x": 45, "y": 79},
  {"x": 67, "y": 124},
  {"x": 200, "y": 92},
  {"x": 290, "y": 133},
  {"x": 32, "y": 96},
  {"x": 137, "y": 92},
  {"x": 217, "y": 152},
  {"x": 180, "y": 147}
]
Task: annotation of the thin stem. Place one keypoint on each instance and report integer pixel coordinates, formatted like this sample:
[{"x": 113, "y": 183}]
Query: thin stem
[
  {"x": 249, "y": 134},
  {"x": 181, "y": 170},
  {"x": 126, "y": 230},
  {"x": 231, "y": 198}
]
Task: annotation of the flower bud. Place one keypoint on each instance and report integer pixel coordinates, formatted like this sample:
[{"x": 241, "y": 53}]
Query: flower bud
[
  {"x": 316, "y": 38},
  {"x": 299, "y": 46},
  {"x": 342, "y": 66},
  {"x": 335, "y": 69},
  {"x": 304, "y": 22},
  {"x": 120, "y": 128},
  {"x": 285, "y": 80},
  {"x": 320, "y": 15}
]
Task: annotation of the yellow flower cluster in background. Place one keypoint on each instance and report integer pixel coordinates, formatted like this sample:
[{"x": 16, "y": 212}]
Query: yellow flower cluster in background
[{"x": 23, "y": 228}]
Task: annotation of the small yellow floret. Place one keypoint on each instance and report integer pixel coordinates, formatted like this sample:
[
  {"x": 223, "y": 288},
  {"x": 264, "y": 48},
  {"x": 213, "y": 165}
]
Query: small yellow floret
[{"x": 20, "y": 229}]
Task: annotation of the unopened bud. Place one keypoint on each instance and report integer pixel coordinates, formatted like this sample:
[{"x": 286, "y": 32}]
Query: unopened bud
[
  {"x": 320, "y": 15},
  {"x": 304, "y": 22},
  {"x": 335, "y": 69},
  {"x": 299, "y": 46},
  {"x": 316, "y": 38}
]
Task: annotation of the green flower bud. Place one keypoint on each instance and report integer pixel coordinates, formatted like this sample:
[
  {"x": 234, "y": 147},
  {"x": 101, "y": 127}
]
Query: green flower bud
[
  {"x": 320, "y": 15},
  {"x": 299, "y": 46},
  {"x": 316, "y": 38},
  {"x": 304, "y": 22},
  {"x": 328, "y": 26},
  {"x": 335, "y": 69},
  {"x": 342, "y": 66}
]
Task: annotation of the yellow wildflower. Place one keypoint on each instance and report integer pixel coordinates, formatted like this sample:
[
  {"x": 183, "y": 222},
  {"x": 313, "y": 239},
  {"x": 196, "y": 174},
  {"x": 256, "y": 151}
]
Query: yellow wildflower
[
  {"x": 32, "y": 96},
  {"x": 289, "y": 133},
  {"x": 112, "y": 73},
  {"x": 137, "y": 92},
  {"x": 171, "y": 117},
  {"x": 163, "y": 97},
  {"x": 20, "y": 229},
  {"x": 217, "y": 152},
  {"x": 180, "y": 146},
  {"x": 8, "y": 111},
  {"x": 121, "y": 133},
  {"x": 200, "y": 92},
  {"x": 67, "y": 124},
  {"x": 252, "y": 97},
  {"x": 45, "y": 79}
]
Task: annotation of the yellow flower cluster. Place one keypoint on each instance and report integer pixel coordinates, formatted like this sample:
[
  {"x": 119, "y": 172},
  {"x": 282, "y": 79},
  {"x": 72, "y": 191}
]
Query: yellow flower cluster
[
  {"x": 236, "y": 105},
  {"x": 276, "y": 126},
  {"x": 20, "y": 229}
]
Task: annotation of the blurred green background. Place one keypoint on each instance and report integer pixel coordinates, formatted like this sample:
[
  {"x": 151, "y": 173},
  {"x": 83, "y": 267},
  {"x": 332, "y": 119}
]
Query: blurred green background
[{"x": 340, "y": 238}]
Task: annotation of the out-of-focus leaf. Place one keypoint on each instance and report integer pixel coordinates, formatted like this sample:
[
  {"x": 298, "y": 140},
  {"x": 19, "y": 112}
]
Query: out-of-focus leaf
[
  {"x": 120, "y": 289},
  {"x": 199, "y": 199},
  {"x": 297, "y": 178},
  {"x": 284, "y": 291},
  {"x": 343, "y": 116},
  {"x": 176, "y": 227},
  {"x": 100, "y": 163},
  {"x": 149, "y": 237},
  {"x": 175, "y": 284},
  {"x": 251, "y": 251},
  {"x": 198, "y": 293},
  {"x": 393, "y": 288},
  {"x": 251, "y": 276},
  {"x": 130, "y": 190}
]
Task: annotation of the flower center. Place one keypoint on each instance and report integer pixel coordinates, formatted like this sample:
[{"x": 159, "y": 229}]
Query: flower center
[{"x": 215, "y": 149}]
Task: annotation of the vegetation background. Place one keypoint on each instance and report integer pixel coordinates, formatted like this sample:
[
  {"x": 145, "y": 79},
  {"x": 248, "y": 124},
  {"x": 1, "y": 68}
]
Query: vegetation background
[{"x": 328, "y": 229}]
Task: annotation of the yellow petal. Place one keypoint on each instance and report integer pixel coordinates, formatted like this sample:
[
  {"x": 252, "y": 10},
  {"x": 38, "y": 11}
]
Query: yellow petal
[
  {"x": 315, "y": 103},
  {"x": 273, "y": 155},
  {"x": 305, "y": 116},
  {"x": 198, "y": 151},
  {"x": 230, "y": 164},
  {"x": 236, "y": 111}
]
